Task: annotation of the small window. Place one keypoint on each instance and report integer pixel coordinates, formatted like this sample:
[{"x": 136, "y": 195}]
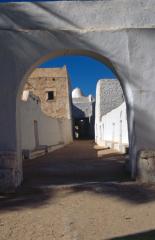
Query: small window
[{"x": 50, "y": 95}]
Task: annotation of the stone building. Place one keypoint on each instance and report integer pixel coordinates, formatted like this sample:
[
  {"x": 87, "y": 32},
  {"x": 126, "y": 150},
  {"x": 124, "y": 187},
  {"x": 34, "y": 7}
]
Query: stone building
[
  {"x": 46, "y": 122},
  {"x": 83, "y": 111},
  {"x": 52, "y": 85},
  {"x": 110, "y": 118}
]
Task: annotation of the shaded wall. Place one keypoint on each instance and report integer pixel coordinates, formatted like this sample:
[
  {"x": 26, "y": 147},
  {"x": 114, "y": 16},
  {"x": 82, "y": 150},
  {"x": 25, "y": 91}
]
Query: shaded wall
[
  {"x": 111, "y": 119},
  {"x": 51, "y": 131},
  {"x": 112, "y": 130},
  {"x": 31, "y": 33}
]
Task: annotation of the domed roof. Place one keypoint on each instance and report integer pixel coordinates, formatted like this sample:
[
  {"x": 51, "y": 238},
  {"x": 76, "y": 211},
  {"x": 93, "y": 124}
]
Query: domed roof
[{"x": 77, "y": 93}]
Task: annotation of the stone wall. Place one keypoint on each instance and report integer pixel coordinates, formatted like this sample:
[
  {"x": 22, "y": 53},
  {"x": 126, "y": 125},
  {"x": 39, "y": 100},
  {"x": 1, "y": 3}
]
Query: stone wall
[
  {"x": 109, "y": 95},
  {"x": 146, "y": 166},
  {"x": 43, "y": 80},
  {"x": 10, "y": 173}
]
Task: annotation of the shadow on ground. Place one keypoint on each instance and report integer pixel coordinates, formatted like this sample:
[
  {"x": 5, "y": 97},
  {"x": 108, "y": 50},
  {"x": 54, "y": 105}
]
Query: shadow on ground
[
  {"x": 73, "y": 169},
  {"x": 149, "y": 235}
]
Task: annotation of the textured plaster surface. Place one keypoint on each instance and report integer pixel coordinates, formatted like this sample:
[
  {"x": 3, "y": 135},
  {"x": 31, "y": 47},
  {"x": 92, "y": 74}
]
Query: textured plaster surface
[
  {"x": 109, "y": 95},
  {"x": 120, "y": 33},
  {"x": 94, "y": 15},
  {"x": 146, "y": 165},
  {"x": 110, "y": 118}
]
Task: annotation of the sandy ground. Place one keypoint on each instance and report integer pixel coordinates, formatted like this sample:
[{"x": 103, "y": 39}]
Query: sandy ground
[{"x": 78, "y": 193}]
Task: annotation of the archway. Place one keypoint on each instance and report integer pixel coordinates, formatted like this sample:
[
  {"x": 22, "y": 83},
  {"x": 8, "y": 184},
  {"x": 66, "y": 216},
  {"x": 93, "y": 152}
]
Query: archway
[
  {"x": 29, "y": 31},
  {"x": 52, "y": 55}
]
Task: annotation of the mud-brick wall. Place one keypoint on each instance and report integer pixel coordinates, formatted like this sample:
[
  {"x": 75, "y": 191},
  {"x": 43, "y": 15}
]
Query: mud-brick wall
[{"x": 43, "y": 80}]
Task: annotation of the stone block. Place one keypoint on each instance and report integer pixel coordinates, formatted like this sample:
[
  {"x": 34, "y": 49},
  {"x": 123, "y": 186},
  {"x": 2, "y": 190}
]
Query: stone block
[
  {"x": 10, "y": 175},
  {"x": 146, "y": 166},
  {"x": 6, "y": 179},
  {"x": 7, "y": 159}
]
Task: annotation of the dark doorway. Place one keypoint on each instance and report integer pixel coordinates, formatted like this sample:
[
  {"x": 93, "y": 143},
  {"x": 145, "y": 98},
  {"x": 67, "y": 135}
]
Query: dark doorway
[{"x": 82, "y": 129}]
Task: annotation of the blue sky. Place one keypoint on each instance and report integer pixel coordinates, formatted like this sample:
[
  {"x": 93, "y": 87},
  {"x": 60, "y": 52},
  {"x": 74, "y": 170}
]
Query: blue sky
[{"x": 84, "y": 71}]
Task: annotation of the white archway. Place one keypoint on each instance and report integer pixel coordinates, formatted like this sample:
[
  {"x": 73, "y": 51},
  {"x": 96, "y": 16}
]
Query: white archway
[{"x": 52, "y": 55}]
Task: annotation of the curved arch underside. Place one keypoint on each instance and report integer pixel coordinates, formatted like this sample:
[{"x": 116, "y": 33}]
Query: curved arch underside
[{"x": 32, "y": 33}]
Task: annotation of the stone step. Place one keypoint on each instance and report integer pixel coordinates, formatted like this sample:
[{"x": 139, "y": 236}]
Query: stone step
[{"x": 41, "y": 150}]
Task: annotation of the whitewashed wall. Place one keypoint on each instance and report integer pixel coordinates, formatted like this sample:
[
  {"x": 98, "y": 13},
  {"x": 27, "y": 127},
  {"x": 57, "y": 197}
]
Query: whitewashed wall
[
  {"x": 112, "y": 130},
  {"x": 92, "y": 28},
  {"x": 51, "y": 131}
]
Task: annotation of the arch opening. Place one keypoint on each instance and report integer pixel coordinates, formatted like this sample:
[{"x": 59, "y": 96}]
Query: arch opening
[{"x": 100, "y": 123}]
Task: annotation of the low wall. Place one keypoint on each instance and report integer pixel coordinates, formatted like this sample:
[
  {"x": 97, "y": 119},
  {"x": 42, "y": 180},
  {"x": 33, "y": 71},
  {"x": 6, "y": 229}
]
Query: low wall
[
  {"x": 112, "y": 130},
  {"x": 51, "y": 131}
]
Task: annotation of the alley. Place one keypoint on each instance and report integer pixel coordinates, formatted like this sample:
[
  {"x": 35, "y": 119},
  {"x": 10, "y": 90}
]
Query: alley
[{"x": 79, "y": 192}]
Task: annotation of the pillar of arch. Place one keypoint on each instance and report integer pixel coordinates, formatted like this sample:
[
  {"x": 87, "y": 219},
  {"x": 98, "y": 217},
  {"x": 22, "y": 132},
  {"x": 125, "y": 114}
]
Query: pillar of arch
[{"x": 47, "y": 31}]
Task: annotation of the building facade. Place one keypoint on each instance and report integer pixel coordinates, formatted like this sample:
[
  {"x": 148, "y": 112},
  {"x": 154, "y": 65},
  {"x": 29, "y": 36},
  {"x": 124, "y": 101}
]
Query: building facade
[
  {"x": 111, "y": 119},
  {"x": 52, "y": 85},
  {"x": 83, "y": 111},
  {"x": 46, "y": 122}
]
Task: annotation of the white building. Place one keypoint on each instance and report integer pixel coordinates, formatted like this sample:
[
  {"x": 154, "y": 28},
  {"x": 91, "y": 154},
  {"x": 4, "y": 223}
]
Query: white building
[
  {"x": 41, "y": 133},
  {"x": 110, "y": 119},
  {"x": 83, "y": 112}
]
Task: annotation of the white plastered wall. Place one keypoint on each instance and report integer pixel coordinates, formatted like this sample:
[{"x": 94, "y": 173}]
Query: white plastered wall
[
  {"x": 112, "y": 130},
  {"x": 51, "y": 131},
  {"x": 31, "y": 33}
]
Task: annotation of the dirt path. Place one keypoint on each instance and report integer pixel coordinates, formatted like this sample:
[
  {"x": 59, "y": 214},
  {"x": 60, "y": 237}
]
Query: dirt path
[{"x": 78, "y": 193}]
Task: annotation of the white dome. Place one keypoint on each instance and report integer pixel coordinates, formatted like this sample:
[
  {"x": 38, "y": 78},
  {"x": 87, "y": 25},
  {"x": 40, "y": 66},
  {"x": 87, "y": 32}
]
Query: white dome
[
  {"x": 90, "y": 97},
  {"x": 25, "y": 95},
  {"x": 77, "y": 93}
]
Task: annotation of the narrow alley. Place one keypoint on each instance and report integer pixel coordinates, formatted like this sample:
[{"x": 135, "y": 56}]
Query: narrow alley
[{"x": 76, "y": 163}]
